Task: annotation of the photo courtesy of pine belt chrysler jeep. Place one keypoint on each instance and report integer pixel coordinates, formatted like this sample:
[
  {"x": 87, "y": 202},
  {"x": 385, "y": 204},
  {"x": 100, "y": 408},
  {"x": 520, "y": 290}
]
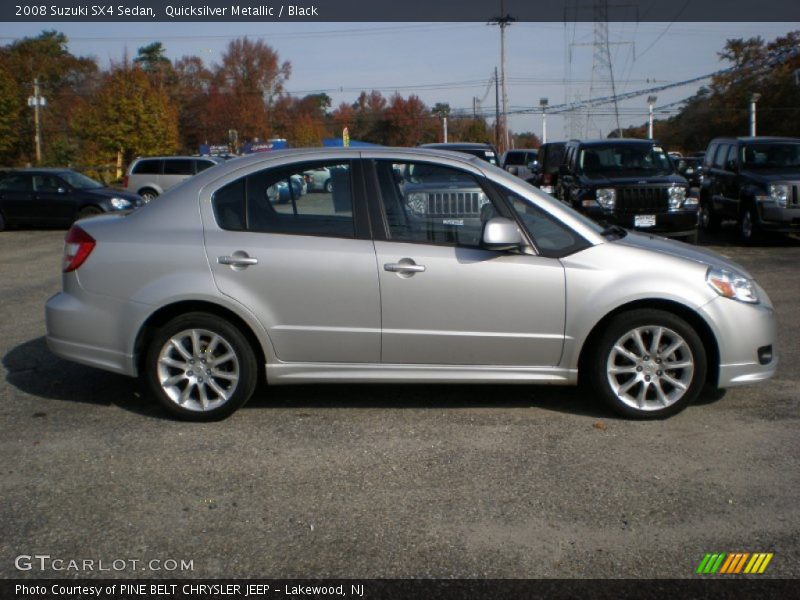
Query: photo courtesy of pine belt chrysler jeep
[{"x": 415, "y": 266}]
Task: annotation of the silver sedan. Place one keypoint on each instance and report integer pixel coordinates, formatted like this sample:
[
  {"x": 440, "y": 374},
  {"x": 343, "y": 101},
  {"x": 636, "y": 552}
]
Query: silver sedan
[{"x": 414, "y": 266}]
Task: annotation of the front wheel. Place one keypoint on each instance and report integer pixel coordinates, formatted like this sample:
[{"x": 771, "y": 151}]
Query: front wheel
[
  {"x": 748, "y": 225},
  {"x": 200, "y": 367},
  {"x": 648, "y": 364},
  {"x": 709, "y": 220},
  {"x": 329, "y": 186}
]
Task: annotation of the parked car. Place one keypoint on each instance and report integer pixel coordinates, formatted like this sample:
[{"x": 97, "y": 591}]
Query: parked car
[
  {"x": 151, "y": 176},
  {"x": 56, "y": 197},
  {"x": 486, "y": 152},
  {"x": 319, "y": 180},
  {"x": 545, "y": 175},
  {"x": 227, "y": 286},
  {"x": 630, "y": 183},
  {"x": 754, "y": 180},
  {"x": 520, "y": 162}
]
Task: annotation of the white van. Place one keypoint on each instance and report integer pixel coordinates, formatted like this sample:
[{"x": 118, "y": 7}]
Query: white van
[{"x": 153, "y": 175}]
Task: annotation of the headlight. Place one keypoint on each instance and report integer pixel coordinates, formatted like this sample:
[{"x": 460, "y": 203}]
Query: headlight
[
  {"x": 779, "y": 192},
  {"x": 417, "y": 203},
  {"x": 607, "y": 197},
  {"x": 731, "y": 285},
  {"x": 676, "y": 195},
  {"x": 120, "y": 203}
]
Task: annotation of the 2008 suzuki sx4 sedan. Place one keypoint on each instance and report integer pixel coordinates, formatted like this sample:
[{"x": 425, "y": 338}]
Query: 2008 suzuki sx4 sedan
[{"x": 411, "y": 266}]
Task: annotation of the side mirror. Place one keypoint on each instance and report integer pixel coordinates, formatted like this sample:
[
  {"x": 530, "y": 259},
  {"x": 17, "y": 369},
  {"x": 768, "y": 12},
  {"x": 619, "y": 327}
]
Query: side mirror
[{"x": 500, "y": 233}]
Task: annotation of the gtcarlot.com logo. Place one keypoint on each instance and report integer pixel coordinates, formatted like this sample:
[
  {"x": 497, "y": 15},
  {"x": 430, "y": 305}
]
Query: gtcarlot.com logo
[
  {"x": 45, "y": 562},
  {"x": 734, "y": 563}
]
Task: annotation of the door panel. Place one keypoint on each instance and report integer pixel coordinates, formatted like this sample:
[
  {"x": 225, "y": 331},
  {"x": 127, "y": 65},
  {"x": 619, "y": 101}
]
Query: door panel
[{"x": 470, "y": 307}]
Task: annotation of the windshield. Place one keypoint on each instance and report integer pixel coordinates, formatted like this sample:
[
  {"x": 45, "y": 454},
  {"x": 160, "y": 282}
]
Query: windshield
[
  {"x": 81, "y": 182},
  {"x": 624, "y": 160},
  {"x": 772, "y": 156}
]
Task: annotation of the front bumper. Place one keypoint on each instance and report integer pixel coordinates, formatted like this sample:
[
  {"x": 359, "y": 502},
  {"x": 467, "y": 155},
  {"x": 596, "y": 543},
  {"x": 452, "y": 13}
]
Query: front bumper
[
  {"x": 673, "y": 223},
  {"x": 741, "y": 330},
  {"x": 773, "y": 217}
]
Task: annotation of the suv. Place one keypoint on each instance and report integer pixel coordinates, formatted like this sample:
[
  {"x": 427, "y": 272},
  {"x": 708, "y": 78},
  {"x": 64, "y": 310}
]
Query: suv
[
  {"x": 485, "y": 151},
  {"x": 630, "y": 183},
  {"x": 154, "y": 175},
  {"x": 550, "y": 157},
  {"x": 755, "y": 180},
  {"x": 520, "y": 162}
]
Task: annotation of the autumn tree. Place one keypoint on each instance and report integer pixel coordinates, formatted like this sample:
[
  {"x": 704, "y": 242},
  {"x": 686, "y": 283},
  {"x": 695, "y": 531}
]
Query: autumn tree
[
  {"x": 66, "y": 82},
  {"x": 10, "y": 107},
  {"x": 129, "y": 117},
  {"x": 153, "y": 61},
  {"x": 409, "y": 122},
  {"x": 249, "y": 78},
  {"x": 192, "y": 96}
]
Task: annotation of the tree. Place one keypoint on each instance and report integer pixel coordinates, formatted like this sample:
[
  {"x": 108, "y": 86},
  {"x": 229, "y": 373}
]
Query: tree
[
  {"x": 10, "y": 107},
  {"x": 191, "y": 94},
  {"x": 527, "y": 139},
  {"x": 409, "y": 122},
  {"x": 250, "y": 77},
  {"x": 153, "y": 61},
  {"x": 129, "y": 117}
]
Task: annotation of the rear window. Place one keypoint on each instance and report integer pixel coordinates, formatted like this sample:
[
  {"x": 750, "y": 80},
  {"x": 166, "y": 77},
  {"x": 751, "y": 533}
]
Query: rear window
[
  {"x": 147, "y": 167},
  {"x": 15, "y": 182},
  {"x": 178, "y": 167},
  {"x": 202, "y": 165},
  {"x": 515, "y": 158}
]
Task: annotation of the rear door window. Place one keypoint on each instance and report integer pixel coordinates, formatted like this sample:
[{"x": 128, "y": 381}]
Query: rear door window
[
  {"x": 719, "y": 158},
  {"x": 16, "y": 182},
  {"x": 147, "y": 167},
  {"x": 178, "y": 167}
]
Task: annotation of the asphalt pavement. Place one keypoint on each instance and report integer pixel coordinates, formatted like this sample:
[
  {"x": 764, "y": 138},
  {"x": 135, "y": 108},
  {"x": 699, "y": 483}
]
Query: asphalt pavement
[{"x": 386, "y": 481}]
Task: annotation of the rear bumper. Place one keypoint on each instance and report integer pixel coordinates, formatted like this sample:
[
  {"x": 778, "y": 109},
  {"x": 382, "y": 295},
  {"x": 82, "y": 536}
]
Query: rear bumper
[{"x": 93, "y": 356}]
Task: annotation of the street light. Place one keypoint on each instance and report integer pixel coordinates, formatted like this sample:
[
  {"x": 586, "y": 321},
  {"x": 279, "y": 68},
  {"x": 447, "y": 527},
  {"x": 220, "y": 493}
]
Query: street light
[
  {"x": 651, "y": 100},
  {"x": 543, "y": 102},
  {"x": 755, "y": 97}
]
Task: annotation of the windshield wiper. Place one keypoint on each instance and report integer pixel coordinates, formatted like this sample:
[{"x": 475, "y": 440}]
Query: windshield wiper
[{"x": 614, "y": 230}]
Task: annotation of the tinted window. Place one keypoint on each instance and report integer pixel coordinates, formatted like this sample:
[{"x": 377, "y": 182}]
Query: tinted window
[
  {"x": 773, "y": 155},
  {"x": 552, "y": 238},
  {"x": 515, "y": 158},
  {"x": 277, "y": 201},
  {"x": 16, "y": 182},
  {"x": 202, "y": 165},
  {"x": 730, "y": 160},
  {"x": 624, "y": 160},
  {"x": 709, "y": 157},
  {"x": 719, "y": 157},
  {"x": 178, "y": 167},
  {"x": 47, "y": 183},
  {"x": 430, "y": 203},
  {"x": 147, "y": 167},
  {"x": 553, "y": 158}
]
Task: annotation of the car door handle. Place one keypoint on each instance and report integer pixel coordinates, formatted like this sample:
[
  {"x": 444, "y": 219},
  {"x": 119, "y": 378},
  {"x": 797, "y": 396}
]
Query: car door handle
[
  {"x": 403, "y": 268},
  {"x": 237, "y": 261}
]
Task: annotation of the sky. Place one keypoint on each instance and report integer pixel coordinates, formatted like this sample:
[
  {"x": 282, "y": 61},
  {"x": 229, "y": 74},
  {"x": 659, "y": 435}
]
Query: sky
[{"x": 449, "y": 62}]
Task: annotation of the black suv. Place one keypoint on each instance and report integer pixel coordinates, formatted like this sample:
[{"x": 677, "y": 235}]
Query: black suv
[
  {"x": 755, "y": 180},
  {"x": 630, "y": 183}
]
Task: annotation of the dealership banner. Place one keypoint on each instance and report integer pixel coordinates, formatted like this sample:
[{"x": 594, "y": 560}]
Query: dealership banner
[
  {"x": 405, "y": 11},
  {"x": 438, "y": 589}
]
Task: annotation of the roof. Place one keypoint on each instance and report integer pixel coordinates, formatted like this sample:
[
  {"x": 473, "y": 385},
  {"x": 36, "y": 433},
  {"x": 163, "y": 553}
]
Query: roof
[
  {"x": 758, "y": 138},
  {"x": 451, "y": 145},
  {"x": 37, "y": 169},
  {"x": 604, "y": 141}
]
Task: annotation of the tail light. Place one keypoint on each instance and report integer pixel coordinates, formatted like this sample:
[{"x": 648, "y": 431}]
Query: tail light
[
  {"x": 125, "y": 182},
  {"x": 78, "y": 245},
  {"x": 546, "y": 178}
]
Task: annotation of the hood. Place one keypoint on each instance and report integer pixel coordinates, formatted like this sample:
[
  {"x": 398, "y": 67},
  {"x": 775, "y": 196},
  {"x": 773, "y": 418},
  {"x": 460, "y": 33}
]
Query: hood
[
  {"x": 136, "y": 199},
  {"x": 637, "y": 180},
  {"x": 663, "y": 245},
  {"x": 770, "y": 175}
]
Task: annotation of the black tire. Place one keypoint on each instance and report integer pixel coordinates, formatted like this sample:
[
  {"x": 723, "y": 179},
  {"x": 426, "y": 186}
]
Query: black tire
[
  {"x": 89, "y": 211},
  {"x": 2, "y": 222},
  {"x": 148, "y": 194},
  {"x": 329, "y": 186},
  {"x": 708, "y": 219},
  {"x": 748, "y": 225},
  {"x": 604, "y": 356},
  {"x": 194, "y": 405}
]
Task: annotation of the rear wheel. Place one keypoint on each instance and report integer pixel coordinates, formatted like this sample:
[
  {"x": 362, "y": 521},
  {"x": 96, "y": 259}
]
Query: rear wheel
[
  {"x": 648, "y": 364},
  {"x": 329, "y": 186},
  {"x": 148, "y": 194},
  {"x": 200, "y": 367}
]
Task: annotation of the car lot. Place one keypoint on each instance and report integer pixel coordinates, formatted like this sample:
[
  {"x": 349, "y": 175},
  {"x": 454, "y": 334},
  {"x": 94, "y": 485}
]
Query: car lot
[{"x": 390, "y": 481}]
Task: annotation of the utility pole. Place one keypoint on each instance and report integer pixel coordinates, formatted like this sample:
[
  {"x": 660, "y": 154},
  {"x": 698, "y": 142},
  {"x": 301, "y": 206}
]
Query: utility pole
[
  {"x": 444, "y": 125},
  {"x": 496, "y": 110},
  {"x": 651, "y": 100},
  {"x": 503, "y": 21},
  {"x": 754, "y": 98},
  {"x": 543, "y": 102},
  {"x": 35, "y": 102}
]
